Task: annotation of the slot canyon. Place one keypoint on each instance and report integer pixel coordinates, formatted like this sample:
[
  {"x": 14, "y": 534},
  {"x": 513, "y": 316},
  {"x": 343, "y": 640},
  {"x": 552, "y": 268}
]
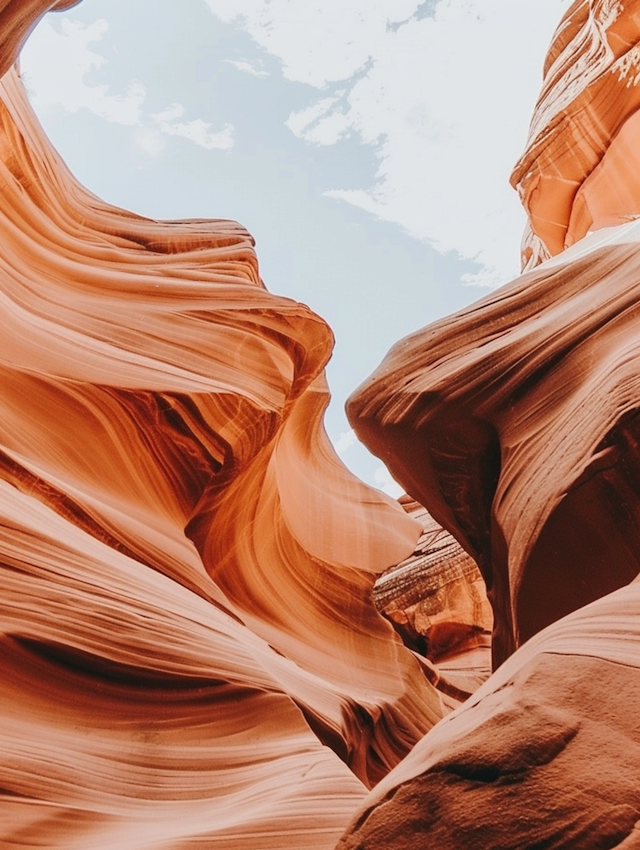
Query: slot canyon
[{"x": 214, "y": 635}]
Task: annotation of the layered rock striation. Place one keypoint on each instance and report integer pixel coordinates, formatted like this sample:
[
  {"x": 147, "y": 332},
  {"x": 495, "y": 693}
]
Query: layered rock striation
[
  {"x": 579, "y": 170},
  {"x": 514, "y": 423},
  {"x": 436, "y": 600}
]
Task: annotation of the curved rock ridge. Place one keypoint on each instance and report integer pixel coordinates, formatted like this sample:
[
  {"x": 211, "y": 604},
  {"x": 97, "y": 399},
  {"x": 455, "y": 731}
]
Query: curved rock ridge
[
  {"x": 515, "y": 423},
  {"x": 544, "y": 754},
  {"x": 579, "y": 170},
  {"x": 190, "y": 651}
]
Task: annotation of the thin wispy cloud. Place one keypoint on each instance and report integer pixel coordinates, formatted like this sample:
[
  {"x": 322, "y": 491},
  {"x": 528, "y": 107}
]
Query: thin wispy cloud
[
  {"x": 198, "y": 131},
  {"x": 441, "y": 91},
  {"x": 55, "y": 63},
  {"x": 322, "y": 123},
  {"x": 149, "y": 140},
  {"x": 316, "y": 42}
]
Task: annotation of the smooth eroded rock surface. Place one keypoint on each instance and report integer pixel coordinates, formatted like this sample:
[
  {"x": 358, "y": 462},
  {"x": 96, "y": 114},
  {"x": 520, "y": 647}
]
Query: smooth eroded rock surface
[
  {"x": 190, "y": 653},
  {"x": 514, "y": 423}
]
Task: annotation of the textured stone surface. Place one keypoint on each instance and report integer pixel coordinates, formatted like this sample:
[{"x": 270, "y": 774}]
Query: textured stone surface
[
  {"x": 514, "y": 423},
  {"x": 545, "y": 755},
  {"x": 437, "y": 602},
  {"x": 514, "y": 420},
  {"x": 580, "y": 168}
]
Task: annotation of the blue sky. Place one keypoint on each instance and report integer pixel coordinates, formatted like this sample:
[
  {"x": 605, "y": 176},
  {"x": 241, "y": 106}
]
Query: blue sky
[{"x": 366, "y": 144}]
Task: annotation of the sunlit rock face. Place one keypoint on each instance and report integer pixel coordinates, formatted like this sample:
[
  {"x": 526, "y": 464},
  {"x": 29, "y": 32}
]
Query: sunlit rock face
[
  {"x": 514, "y": 423},
  {"x": 190, "y": 651},
  {"x": 580, "y": 169}
]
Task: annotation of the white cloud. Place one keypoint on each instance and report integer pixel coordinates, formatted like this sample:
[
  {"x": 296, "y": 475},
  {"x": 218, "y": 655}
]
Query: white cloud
[
  {"x": 316, "y": 41},
  {"x": 345, "y": 441},
  {"x": 197, "y": 130},
  {"x": 442, "y": 91},
  {"x": 321, "y": 123},
  {"x": 169, "y": 114},
  {"x": 55, "y": 62},
  {"x": 384, "y": 482}
]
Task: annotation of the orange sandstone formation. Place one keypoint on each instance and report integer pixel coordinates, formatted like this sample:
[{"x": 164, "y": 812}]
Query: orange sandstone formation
[
  {"x": 581, "y": 168},
  {"x": 437, "y": 602},
  {"x": 514, "y": 423},
  {"x": 191, "y": 655},
  {"x": 190, "y": 651}
]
